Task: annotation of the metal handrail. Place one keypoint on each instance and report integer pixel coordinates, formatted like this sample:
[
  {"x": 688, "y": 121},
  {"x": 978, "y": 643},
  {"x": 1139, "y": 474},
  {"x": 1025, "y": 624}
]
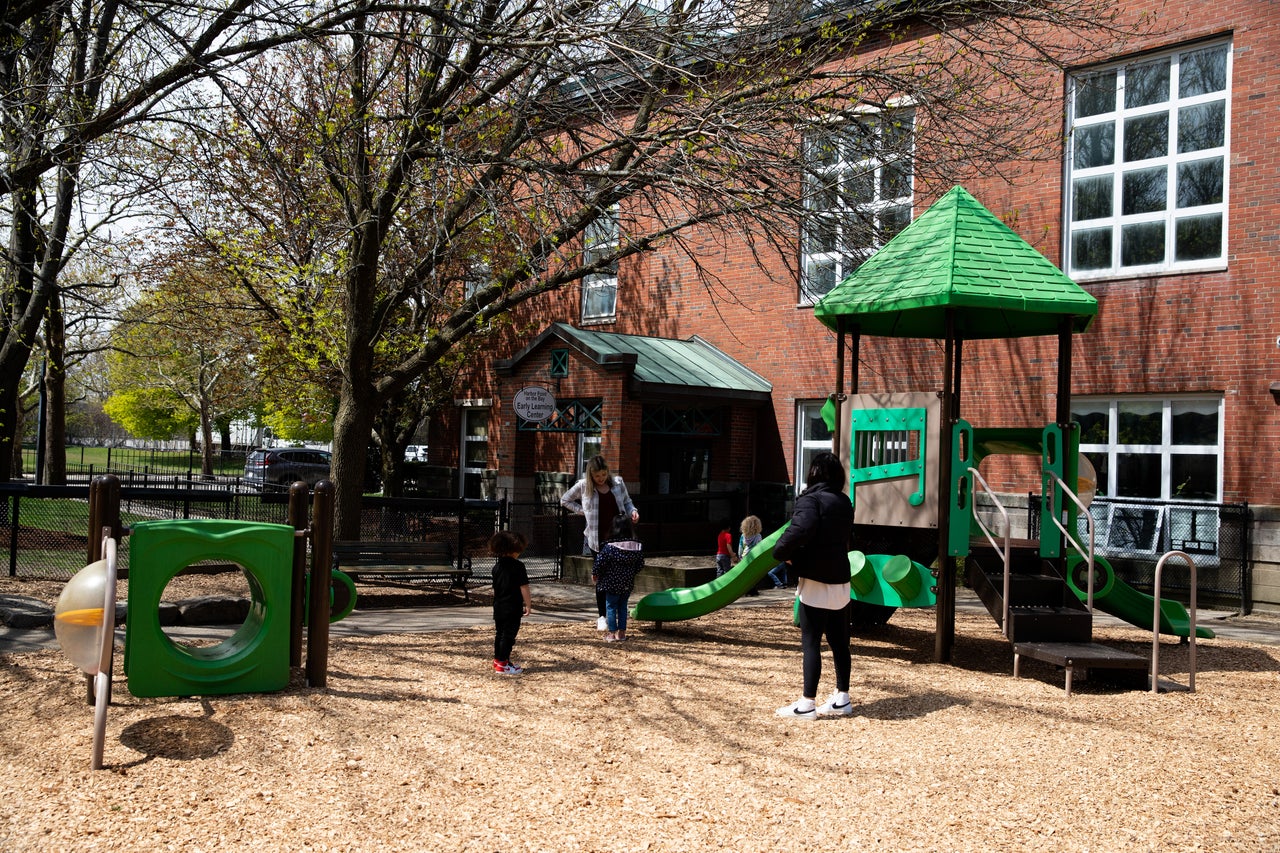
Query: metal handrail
[
  {"x": 1155, "y": 625},
  {"x": 1004, "y": 514},
  {"x": 1080, "y": 549}
]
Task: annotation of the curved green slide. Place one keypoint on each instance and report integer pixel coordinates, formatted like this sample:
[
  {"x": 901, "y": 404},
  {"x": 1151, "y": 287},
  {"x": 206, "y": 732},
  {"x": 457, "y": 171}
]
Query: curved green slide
[
  {"x": 1114, "y": 596},
  {"x": 690, "y": 602},
  {"x": 874, "y": 579}
]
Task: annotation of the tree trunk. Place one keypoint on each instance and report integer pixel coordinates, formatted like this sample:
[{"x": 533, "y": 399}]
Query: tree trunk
[
  {"x": 206, "y": 440},
  {"x": 55, "y": 394},
  {"x": 351, "y": 429}
]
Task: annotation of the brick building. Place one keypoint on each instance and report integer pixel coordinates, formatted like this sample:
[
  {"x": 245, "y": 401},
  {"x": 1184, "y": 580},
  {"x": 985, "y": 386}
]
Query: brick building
[{"x": 1163, "y": 201}]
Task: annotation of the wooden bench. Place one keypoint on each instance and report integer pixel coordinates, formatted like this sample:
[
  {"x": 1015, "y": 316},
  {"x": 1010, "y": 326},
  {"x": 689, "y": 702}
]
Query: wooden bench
[{"x": 403, "y": 560}]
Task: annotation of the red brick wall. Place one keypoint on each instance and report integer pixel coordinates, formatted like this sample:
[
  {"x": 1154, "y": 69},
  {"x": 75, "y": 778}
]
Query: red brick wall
[{"x": 1214, "y": 333}]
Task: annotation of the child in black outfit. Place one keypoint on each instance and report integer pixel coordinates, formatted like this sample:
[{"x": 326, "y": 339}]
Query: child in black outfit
[{"x": 511, "y": 598}]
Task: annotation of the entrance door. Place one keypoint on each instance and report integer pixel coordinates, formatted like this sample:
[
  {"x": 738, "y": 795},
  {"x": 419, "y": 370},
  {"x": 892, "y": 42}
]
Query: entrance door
[{"x": 671, "y": 465}]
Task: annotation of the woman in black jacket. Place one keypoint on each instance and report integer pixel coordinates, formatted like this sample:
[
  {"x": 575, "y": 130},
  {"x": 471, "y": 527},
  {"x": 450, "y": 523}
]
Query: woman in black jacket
[{"x": 816, "y": 544}]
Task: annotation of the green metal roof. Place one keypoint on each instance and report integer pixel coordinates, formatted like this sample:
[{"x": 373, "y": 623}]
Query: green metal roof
[
  {"x": 659, "y": 366},
  {"x": 957, "y": 257}
]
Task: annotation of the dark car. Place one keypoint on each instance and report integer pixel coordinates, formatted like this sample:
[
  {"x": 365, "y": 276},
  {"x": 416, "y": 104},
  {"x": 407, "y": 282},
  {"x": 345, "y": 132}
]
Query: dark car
[{"x": 277, "y": 468}]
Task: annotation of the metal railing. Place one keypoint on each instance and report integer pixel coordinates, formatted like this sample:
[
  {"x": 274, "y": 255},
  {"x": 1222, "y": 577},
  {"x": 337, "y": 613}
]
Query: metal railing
[
  {"x": 1155, "y": 625},
  {"x": 1003, "y": 552},
  {"x": 1080, "y": 549}
]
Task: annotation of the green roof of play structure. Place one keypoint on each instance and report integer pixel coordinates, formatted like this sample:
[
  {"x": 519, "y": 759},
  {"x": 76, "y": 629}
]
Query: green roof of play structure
[{"x": 957, "y": 257}]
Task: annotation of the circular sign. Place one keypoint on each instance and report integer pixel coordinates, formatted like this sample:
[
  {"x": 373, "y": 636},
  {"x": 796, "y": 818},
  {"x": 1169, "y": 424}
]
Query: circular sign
[{"x": 534, "y": 403}]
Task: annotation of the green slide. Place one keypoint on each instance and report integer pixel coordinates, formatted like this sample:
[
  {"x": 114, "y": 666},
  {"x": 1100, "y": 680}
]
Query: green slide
[
  {"x": 1114, "y": 596},
  {"x": 878, "y": 579},
  {"x": 690, "y": 602}
]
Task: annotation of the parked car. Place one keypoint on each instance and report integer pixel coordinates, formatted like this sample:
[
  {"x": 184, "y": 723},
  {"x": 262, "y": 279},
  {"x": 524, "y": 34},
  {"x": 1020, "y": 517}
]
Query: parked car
[
  {"x": 277, "y": 468},
  {"x": 415, "y": 453}
]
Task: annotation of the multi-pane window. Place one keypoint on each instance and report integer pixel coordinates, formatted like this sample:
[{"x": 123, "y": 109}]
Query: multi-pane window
[
  {"x": 1147, "y": 164},
  {"x": 600, "y": 289},
  {"x": 1143, "y": 447},
  {"x": 475, "y": 453},
  {"x": 812, "y": 437},
  {"x": 859, "y": 181}
]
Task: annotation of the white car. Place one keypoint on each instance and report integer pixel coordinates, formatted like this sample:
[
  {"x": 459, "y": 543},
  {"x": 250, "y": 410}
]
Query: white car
[{"x": 415, "y": 453}]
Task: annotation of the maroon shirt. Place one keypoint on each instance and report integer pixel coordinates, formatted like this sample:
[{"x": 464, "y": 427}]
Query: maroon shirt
[{"x": 608, "y": 512}]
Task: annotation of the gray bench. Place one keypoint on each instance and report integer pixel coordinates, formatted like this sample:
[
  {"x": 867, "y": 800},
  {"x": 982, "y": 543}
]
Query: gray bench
[{"x": 403, "y": 560}]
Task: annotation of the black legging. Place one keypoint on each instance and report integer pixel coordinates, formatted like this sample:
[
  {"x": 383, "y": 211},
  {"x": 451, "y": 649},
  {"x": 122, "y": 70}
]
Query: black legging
[
  {"x": 814, "y": 623},
  {"x": 505, "y": 629}
]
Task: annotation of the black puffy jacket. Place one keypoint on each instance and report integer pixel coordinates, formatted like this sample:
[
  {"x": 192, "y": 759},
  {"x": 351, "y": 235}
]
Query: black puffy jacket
[{"x": 817, "y": 541}]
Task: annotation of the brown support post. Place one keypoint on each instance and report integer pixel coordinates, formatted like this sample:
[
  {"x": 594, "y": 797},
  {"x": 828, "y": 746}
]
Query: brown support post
[
  {"x": 838, "y": 397},
  {"x": 104, "y": 512},
  {"x": 298, "y": 577},
  {"x": 321, "y": 581},
  {"x": 855, "y": 348},
  {"x": 94, "y": 551},
  {"x": 1064, "y": 372},
  {"x": 945, "y": 631}
]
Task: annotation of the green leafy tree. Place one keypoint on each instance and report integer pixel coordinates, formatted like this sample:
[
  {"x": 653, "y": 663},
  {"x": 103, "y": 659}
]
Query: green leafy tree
[
  {"x": 154, "y": 413},
  {"x": 186, "y": 340}
]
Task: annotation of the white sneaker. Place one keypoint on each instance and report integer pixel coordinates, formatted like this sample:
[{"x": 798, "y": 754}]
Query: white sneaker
[
  {"x": 839, "y": 705},
  {"x": 801, "y": 709},
  {"x": 602, "y": 624}
]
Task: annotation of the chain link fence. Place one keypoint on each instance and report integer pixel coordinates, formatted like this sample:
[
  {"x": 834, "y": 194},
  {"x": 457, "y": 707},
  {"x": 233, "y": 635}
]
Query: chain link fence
[{"x": 1133, "y": 534}]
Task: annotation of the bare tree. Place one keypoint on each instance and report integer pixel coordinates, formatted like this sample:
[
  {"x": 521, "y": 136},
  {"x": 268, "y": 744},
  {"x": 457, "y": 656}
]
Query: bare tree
[
  {"x": 79, "y": 79},
  {"x": 387, "y": 191}
]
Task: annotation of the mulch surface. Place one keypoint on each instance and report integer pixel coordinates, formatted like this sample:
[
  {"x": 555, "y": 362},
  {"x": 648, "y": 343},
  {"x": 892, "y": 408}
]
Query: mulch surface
[{"x": 667, "y": 742}]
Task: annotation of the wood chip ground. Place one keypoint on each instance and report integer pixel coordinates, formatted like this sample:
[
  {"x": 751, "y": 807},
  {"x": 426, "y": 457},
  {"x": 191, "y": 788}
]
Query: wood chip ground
[{"x": 667, "y": 742}]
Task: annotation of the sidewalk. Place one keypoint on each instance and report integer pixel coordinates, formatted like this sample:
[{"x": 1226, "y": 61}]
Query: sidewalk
[{"x": 557, "y": 602}]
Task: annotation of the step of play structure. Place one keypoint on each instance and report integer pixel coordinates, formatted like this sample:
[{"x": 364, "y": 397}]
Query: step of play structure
[{"x": 1042, "y": 607}]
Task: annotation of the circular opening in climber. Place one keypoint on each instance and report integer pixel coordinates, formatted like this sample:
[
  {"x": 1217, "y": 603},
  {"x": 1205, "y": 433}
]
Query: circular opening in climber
[{"x": 206, "y": 604}]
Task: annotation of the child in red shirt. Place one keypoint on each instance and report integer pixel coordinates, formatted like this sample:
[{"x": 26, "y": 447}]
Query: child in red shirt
[{"x": 725, "y": 557}]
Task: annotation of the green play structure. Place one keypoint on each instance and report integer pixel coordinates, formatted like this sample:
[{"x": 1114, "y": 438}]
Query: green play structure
[
  {"x": 957, "y": 273},
  {"x": 283, "y": 597},
  {"x": 255, "y": 658},
  {"x": 877, "y": 579}
]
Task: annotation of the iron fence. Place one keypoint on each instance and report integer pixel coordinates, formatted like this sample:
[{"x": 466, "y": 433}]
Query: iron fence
[
  {"x": 46, "y": 527},
  {"x": 1132, "y": 534}
]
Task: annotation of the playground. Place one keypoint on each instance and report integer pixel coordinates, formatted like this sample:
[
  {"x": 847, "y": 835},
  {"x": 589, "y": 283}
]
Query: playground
[
  {"x": 667, "y": 742},
  {"x": 965, "y": 735}
]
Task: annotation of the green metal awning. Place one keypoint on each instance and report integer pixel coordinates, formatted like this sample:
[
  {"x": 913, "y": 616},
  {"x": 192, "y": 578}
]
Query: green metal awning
[
  {"x": 957, "y": 257},
  {"x": 657, "y": 367}
]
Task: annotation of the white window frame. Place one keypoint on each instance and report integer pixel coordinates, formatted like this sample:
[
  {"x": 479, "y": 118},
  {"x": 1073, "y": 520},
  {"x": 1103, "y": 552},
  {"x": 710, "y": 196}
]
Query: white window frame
[
  {"x": 1166, "y": 448},
  {"x": 474, "y": 425},
  {"x": 1116, "y": 516},
  {"x": 602, "y": 237},
  {"x": 826, "y": 182},
  {"x": 806, "y": 449},
  {"x": 1172, "y": 162}
]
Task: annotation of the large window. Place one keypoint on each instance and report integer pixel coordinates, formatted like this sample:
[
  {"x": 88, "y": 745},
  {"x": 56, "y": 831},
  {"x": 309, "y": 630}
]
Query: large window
[
  {"x": 600, "y": 289},
  {"x": 1143, "y": 447},
  {"x": 812, "y": 437},
  {"x": 1147, "y": 164},
  {"x": 859, "y": 187}
]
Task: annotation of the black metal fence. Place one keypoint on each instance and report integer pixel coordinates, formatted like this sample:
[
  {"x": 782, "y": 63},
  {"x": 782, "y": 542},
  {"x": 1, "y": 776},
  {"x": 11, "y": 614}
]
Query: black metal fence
[
  {"x": 46, "y": 527},
  {"x": 46, "y": 532},
  {"x": 1132, "y": 534}
]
